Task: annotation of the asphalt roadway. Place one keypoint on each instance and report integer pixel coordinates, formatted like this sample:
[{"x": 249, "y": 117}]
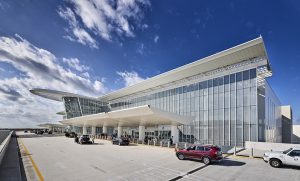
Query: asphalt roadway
[{"x": 59, "y": 158}]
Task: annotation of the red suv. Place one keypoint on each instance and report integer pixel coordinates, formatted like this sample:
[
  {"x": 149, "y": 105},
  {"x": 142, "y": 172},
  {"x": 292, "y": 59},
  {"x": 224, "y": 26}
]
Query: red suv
[{"x": 205, "y": 153}]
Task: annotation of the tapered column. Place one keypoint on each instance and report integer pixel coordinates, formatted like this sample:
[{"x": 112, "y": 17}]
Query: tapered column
[
  {"x": 174, "y": 134},
  {"x": 141, "y": 133},
  {"x": 84, "y": 131},
  {"x": 120, "y": 131},
  {"x": 104, "y": 129},
  {"x": 93, "y": 130}
]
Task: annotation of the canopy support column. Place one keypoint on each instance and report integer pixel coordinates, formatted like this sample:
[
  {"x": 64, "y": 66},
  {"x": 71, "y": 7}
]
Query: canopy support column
[
  {"x": 84, "y": 130},
  {"x": 120, "y": 131},
  {"x": 174, "y": 134},
  {"x": 141, "y": 133},
  {"x": 93, "y": 130},
  {"x": 104, "y": 129}
]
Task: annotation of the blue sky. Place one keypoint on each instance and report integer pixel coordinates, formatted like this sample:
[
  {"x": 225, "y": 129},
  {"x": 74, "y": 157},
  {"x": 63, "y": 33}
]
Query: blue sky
[{"x": 94, "y": 47}]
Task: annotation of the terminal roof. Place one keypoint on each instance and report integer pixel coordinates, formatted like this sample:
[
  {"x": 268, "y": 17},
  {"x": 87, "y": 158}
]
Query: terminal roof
[{"x": 251, "y": 49}]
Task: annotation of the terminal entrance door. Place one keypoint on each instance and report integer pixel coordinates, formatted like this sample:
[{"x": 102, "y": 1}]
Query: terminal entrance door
[
  {"x": 134, "y": 134},
  {"x": 163, "y": 134}
]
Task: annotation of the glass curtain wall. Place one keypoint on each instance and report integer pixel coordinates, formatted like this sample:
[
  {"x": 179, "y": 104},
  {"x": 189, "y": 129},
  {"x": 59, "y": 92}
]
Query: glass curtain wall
[
  {"x": 77, "y": 106},
  {"x": 225, "y": 108},
  {"x": 273, "y": 130}
]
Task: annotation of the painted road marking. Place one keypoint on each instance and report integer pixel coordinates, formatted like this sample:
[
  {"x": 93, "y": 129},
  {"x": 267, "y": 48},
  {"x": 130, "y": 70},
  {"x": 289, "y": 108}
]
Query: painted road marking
[{"x": 37, "y": 171}]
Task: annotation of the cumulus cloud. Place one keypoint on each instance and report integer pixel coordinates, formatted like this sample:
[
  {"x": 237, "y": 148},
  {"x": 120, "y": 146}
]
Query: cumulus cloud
[
  {"x": 40, "y": 69},
  {"x": 130, "y": 78},
  {"x": 102, "y": 18}
]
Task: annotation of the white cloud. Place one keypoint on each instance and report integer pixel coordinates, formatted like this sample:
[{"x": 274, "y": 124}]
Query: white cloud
[
  {"x": 103, "y": 18},
  {"x": 41, "y": 69},
  {"x": 130, "y": 78},
  {"x": 78, "y": 34},
  {"x": 75, "y": 64},
  {"x": 156, "y": 38}
]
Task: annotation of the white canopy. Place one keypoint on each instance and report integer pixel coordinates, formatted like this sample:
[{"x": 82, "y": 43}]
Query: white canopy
[{"x": 131, "y": 117}]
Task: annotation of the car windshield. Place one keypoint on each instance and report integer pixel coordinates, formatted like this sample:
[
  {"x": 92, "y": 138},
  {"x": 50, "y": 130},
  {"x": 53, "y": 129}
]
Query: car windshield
[
  {"x": 218, "y": 148},
  {"x": 286, "y": 151}
]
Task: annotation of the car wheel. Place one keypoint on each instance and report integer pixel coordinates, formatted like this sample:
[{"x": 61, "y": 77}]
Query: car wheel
[
  {"x": 275, "y": 163},
  {"x": 206, "y": 160},
  {"x": 180, "y": 156}
]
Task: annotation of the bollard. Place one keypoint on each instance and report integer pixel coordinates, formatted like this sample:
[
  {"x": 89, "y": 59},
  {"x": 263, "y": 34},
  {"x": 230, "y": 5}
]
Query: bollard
[
  {"x": 154, "y": 143},
  {"x": 148, "y": 142},
  {"x": 168, "y": 144},
  {"x": 160, "y": 143},
  {"x": 251, "y": 152},
  {"x": 176, "y": 146},
  {"x": 185, "y": 145}
]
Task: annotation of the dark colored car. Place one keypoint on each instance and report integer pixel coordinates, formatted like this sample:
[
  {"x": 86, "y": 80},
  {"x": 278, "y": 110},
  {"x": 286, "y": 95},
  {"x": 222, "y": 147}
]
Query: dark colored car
[
  {"x": 49, "y": 132},
  {"x": 205, "y": 153},
  {"x": 72, "y": 135},
  {"x": 85, "y": 139},
  {"x": 40, "y": 132},
  {"x": 120, "y": 141}
]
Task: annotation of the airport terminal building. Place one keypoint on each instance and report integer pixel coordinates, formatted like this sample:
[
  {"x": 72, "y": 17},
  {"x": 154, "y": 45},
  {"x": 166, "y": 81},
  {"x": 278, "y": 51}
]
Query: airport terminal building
[{"x": 222, "y": 99}]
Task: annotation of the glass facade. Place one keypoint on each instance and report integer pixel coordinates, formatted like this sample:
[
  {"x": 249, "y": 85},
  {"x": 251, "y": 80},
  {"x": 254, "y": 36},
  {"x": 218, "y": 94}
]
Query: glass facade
[
  {"x": 77, "y": 106},
  {"x": 270, "y": 124},
  {"x": 224, "y": 108},
  {"x": 228, "y": 108}
]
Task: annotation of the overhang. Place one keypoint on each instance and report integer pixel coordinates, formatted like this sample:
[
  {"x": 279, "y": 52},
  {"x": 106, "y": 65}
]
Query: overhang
[
  {"x": 49, "y": 125},
  {"x": 131, "y": 117},
  {"x": 251, "y": 49},
  {"x": 55, "y": 95}
]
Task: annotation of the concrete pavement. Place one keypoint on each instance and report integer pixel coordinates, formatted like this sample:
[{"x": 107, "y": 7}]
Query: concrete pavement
[{"x": 59, "y": 158}]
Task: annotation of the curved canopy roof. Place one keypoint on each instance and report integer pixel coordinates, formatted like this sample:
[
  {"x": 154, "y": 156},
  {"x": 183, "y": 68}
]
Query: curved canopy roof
[
  {"x": 251, "y": 49},
  {"x": 131, "y": 117},
  {"x": 48, "y": 125},
  {"x": 55, "y": 95}
]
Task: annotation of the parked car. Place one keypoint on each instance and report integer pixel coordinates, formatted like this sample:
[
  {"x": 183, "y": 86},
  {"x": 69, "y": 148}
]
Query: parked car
[
  {"x": 205, "y": 153},
  {"x": 85, "y": 139},
  {"x": 40, "y": 132},
  {"x": 120, "y": 141},
  {"x": 278, "y": 158}
]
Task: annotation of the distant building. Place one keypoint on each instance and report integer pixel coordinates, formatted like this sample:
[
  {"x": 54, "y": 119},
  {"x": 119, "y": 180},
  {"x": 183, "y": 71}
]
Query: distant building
[{"x": 222, "y": 99}]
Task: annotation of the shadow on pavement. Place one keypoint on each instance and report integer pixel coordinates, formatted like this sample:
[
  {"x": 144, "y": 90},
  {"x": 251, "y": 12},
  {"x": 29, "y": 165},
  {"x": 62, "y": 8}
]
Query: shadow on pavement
[
  {"x": 92, "y": 144},
  {"x": 290, "y": 167},
  {"x": 228, "y": 162}
]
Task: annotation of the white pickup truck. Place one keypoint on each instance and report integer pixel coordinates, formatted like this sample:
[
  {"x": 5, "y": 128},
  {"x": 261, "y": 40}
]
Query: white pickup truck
[{"x": 287, "y": 157}]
